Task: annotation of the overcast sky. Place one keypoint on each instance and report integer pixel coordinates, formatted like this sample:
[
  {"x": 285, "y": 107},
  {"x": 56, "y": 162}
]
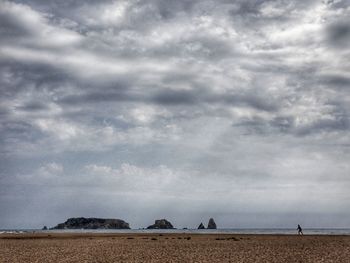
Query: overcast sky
[{"x": 185, "y": 110}]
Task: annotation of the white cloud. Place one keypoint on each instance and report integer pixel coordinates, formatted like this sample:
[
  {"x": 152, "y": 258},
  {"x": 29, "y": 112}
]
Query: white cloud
[
  {"x": 111, "y": 14},
  {"x": 41, "y": 33},
  {"x": 50, "y": 169},
  {"x": 60, "y": 129}
]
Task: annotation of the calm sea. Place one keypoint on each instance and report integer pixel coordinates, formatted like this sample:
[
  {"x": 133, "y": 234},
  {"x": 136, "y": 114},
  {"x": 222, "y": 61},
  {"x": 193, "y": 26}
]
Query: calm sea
[{"x": 263, "y": 231}]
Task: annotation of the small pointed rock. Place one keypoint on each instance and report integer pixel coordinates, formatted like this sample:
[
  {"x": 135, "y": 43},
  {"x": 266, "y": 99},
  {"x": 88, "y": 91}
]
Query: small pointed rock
[
  {"x": 211, "y": 224},
  {"x": 201, "y": 226}
]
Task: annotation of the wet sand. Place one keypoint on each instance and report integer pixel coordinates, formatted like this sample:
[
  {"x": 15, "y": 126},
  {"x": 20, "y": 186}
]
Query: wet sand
[{"x": 104, "y": 248}]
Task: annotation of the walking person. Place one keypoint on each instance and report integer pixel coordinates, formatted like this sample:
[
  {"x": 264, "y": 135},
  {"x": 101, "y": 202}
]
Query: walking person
[{"x": 300, "y": 230}]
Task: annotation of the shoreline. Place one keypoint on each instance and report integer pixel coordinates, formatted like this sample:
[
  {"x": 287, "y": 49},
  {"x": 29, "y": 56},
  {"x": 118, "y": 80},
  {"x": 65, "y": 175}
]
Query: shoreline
[
  {"x": 284, "y": 232},
  {"x": 50, "y": 235}
]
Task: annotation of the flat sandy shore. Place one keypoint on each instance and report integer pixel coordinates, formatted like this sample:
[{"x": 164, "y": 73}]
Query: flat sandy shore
[{"x": 94, "y": 248}]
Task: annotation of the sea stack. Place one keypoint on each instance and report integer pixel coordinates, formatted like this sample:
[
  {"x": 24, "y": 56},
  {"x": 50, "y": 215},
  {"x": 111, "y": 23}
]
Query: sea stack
[
  {"x": 93, "y": 223},
  {"x": 211, "y": 224},
  {"x": 201, "y": 226},
  {"x": 161, "y": 224}
]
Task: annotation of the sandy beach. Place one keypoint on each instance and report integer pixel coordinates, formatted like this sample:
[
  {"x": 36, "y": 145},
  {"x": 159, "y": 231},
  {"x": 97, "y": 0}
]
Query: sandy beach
[{"x": 103, "y": 248}]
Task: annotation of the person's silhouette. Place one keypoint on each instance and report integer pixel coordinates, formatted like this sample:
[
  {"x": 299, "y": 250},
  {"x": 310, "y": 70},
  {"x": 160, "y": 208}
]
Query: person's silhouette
[{"x": 300, "y": 230}]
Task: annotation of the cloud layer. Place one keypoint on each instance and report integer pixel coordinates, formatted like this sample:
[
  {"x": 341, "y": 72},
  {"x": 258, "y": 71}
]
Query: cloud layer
[{"x": 210, "y": 108}]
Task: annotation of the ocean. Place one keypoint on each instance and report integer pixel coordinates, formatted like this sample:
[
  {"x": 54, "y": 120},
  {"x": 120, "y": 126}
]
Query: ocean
[{"x": 260, "y": 231}]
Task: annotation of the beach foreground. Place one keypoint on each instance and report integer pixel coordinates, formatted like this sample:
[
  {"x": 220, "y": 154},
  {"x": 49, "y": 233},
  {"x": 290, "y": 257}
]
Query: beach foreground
[{"x": 53, "y": 247}]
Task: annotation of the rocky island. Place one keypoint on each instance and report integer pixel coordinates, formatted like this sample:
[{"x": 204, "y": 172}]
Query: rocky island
[
  {"x": 92, "y": 223},
  {"x": 161, "y": 224},
  {"x": 201, "y": 226},
  {"x": 211, "y": 224}
]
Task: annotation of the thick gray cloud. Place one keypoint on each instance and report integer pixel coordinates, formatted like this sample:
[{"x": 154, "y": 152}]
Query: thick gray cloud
[
  {"x": 338, "y": 33},
  {"x": 178, "y": 109}
]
